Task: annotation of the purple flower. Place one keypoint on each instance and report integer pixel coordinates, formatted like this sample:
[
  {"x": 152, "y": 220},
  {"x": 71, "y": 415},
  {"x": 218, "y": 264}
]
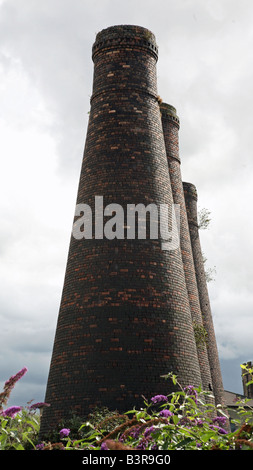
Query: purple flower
[
  {"x": 14, "y": 378},
  {"x": 219, "y": 429},
  {"x": 135, "y": 432},
  {"x": 190, "y": 391},
  {"x": 9, "y": 385},
  {"x": 38, "y": 405},
  {"x": 165, "y": 413},
  {"x": 142, "y": 444},
  {"x": 222, "y": 430},
  {"x": 159, "y": 398},
  {"x": 11, "y": 412},
  {"x": 104, "y": 446},
  {"x": 220, "y": 420},
  {"x": 148, "y": 431},
  {"x": 40, "y": 446},
  {"x": 64, "y": 432}
]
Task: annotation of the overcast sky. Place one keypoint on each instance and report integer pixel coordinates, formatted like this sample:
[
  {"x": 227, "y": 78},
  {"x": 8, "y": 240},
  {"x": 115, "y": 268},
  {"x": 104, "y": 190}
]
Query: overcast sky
[{"x": 205, "y": 70}]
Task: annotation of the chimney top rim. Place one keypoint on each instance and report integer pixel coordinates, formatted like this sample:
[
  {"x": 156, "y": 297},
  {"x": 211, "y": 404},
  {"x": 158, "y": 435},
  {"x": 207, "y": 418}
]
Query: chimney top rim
[
  {"x": 190, "y": 189},
  {"x": 169, "y": 111},
  {"x": 125, "y": 35}
]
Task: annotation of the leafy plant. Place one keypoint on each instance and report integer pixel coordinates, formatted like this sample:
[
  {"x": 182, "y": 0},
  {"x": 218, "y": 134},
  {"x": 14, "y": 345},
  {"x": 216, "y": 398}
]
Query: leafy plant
[
  {"x": 182, "y": 420},
  {"x": 204, "y": 219},
  {"x": 19, "y": 427},
  {"x": 200, "y": 334}
]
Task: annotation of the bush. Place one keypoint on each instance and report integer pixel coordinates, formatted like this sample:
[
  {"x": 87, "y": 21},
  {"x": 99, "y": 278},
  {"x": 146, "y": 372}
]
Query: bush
[
  {"x": 19, "y": 426},
  {"x": 182, "y": 420}
]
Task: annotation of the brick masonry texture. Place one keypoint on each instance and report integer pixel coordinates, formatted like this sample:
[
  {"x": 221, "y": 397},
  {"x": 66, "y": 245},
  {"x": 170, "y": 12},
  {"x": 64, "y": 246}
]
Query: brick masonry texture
[
  {"x": 171, "y": 125},
  {"x": 125, "y": 316},
  {"x": 191, "y": 198}
]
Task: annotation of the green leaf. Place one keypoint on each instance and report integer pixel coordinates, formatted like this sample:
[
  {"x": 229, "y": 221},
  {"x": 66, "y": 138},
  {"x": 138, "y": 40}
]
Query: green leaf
[
  {"x": 184, "y": 442},
  {"x": 205, "y": 437},
  {"x": 19, "y": 447},
  {"x": 175, "y": 419},
  {"x": 141, "y": 415},
  {"x": 166, "y": 444}
]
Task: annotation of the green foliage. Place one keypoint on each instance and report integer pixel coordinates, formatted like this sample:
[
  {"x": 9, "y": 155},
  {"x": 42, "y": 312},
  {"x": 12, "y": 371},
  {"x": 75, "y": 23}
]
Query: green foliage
[
  {"x": 182, "y": 420},
  {"x": 20, "y": 432},
  {"x": 210, "y": 273},
  {"x": 200, "y": 334},
  {"x": 248, "y": 371},
  {"x": 204, "y": 219}
]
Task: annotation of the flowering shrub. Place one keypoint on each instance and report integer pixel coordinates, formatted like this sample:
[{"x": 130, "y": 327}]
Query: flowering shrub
[
  {"x": 19, "y": 426},
  {"x": 9, "y": 385},
  {"x": 182, "y": 420}
]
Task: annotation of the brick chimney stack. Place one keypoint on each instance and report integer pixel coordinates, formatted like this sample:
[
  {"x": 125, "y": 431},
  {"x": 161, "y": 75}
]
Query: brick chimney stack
[
  {"x": 171, "y": 126},
  {"x": 124, "y": 317},
  {"x": 191, "y": 198}
]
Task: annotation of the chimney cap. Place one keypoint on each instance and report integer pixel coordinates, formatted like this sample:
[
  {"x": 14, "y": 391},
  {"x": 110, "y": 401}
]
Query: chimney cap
[
  {"x": 168, "y": 111},
  {"x": 125, "y": 36},
  {"x": 190, "y": 190}
]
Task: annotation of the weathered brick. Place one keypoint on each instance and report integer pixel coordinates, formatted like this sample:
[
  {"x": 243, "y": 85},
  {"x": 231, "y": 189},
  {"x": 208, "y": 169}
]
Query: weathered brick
[
  {"x": 125, "y": 317},
  {"x": 191, "y": 198},
  {"x": 171, "y": 125}
]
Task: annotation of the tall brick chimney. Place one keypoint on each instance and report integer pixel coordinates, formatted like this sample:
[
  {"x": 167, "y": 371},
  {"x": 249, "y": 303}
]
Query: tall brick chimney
[
  {"x": 191, "y": 198},
  {"x": 124, "y": 317},
  {"x": 171, "y": 125}
]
